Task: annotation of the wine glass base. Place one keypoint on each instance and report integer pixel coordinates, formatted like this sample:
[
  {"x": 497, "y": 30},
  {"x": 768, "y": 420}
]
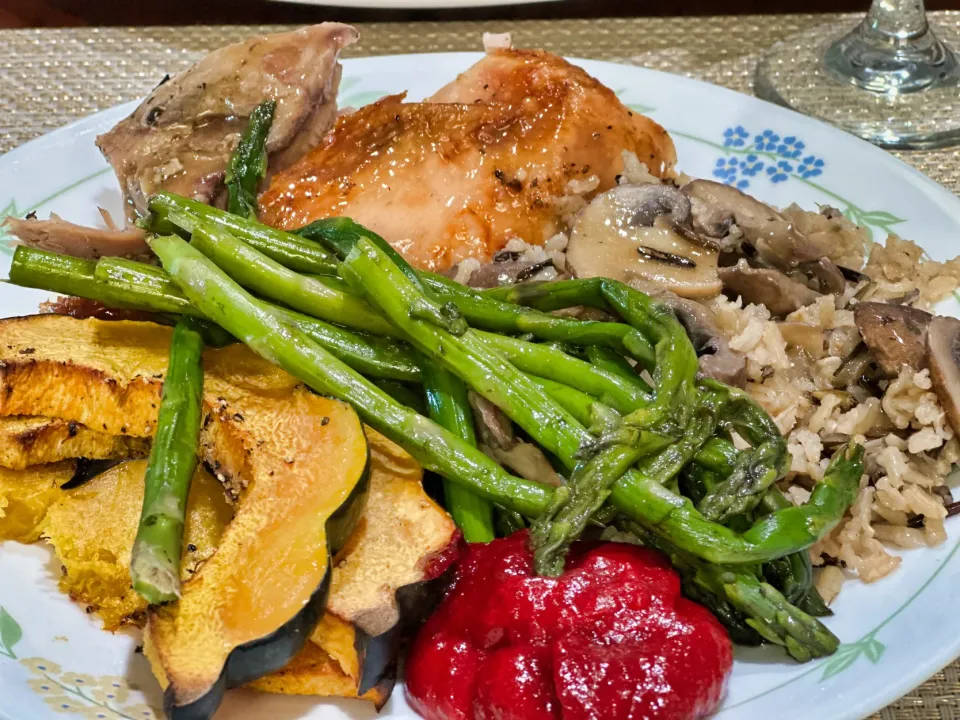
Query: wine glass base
[{"x": 917, "y": 110}]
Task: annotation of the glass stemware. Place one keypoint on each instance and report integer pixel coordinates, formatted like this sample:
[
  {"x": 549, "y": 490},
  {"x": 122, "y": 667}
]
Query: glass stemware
[{"x": 890, "y": 80}]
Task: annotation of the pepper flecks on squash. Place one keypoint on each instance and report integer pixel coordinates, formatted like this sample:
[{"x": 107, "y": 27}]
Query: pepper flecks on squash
[
  {"x": 25, "y": 497},
  {"x": 252, "y": 606},
  {"x": 55, "y": 366},
  {"x": 29, "y": 440},
  {"x": 92, "y": 528}
]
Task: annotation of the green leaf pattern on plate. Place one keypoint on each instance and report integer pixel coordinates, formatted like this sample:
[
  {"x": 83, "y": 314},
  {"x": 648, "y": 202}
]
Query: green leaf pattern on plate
[
  {"x": 10, "y": 633},
  {"x": 847, "y": 654}
]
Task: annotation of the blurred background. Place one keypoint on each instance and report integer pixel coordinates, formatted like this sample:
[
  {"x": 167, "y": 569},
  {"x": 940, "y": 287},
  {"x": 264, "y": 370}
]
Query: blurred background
[{"x": 54, "y": 13}]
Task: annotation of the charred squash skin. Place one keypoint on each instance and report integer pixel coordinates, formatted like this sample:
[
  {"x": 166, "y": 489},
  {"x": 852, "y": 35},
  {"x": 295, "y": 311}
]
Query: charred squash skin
[{"x": 253, "y": 606}]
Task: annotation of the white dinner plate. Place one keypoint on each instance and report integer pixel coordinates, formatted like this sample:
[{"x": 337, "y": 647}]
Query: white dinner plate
[{"x": 55, "y": 662}]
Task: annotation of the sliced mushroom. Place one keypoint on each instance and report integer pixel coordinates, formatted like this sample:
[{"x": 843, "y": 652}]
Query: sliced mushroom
[
  {"x": 825, "y": 277},
  {"x": 720, "y": 362},
  {"x": 716, "y": 359},
  {"x": 507, "y": 272},
  {"x": 943, "y": 354},
  {"x": 805, "y": 336},
  {"x": 609, "y": 240},
  {"x": 766, "y": 286},
  {"x": 649, "y": 202},
  {"x": 854, "y": 276},
  {"x": 493, "y": 426},
  {"x": 526, "y": 460},
  {"x": 776, "y": 240},
  {"x": 895, "y": 334}
]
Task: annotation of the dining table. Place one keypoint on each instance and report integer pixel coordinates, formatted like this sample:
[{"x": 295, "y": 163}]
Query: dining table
[{"x": 52, "y": 76}]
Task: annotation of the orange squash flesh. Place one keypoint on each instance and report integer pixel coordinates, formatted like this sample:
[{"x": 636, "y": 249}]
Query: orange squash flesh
[
  {"x": 313, "y": 672},
  {"x": 27, "y": 441},
  {"x": 255, "y": 602},
  {"x": 92, "y": 528},
  {"x": 25, "y": 497}
]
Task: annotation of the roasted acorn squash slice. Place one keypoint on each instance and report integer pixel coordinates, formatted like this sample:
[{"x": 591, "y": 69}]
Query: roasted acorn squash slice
[
  {"x": 251, "y": 608},
  {"x": 92, "y": 528},
  {"x": 27, "y": 441}
]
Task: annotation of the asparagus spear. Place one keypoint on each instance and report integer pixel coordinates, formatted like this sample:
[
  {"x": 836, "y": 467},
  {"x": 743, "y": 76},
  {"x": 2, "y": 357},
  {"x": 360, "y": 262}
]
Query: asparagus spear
[
  {"x": 573, "y": 504},
  {"x": 574, "y": 401},
  {"x": 138, "y": 286},
  {"x": 44, "y": 270},
  {"x": 270, "y": 279},
  {"x": 318, "y": 298},
  {"x": 340, "y": 235},
  {"x": 437, "y": 449},
  {"x": 449, "y": 407},
  {"x": 300, "y": 253},
  {"x": 676, "y": 361},
  {"x": 488, "y": 373},
  {"x": 155, "y": 563},
  {"x": 718, "y": 455},
  {"x": 173, "y": 213},
  {"x": 553, "y": 364},
  {"x": 373, "y": 356},
  {"x": 136, "y": 278},
  {"x": 494, "y": 315},
  {"x": 611, "y": 361},
  {"x": 676, "y": 520},
  {"x": 792, "y": 574},
  {"x": 755, "y": 470},
  {"x": 248, "y": 164}
]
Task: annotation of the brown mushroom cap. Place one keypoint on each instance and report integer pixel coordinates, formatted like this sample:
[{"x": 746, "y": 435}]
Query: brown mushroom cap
[
  {"x": 717, "y": 359},
  {"x": 895, "y": 334},
  {"x": 943, "y": 355},
  {"x": 766, "y": 286},
  {"x": 825, "y": 276},
  {"x": 775, "y": 238},
  {"x": 610, "y": 239}
]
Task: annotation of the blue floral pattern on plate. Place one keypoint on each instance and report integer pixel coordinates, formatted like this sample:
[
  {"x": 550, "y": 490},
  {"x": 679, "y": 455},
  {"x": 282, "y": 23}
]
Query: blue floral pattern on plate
[
  {"x": 746, "y": 158},
  {"x": 777, "y": 158}
]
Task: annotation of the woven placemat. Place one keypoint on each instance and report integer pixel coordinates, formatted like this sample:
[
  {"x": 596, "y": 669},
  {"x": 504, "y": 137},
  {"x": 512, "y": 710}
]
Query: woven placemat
[{"x": 51, "y": 77}]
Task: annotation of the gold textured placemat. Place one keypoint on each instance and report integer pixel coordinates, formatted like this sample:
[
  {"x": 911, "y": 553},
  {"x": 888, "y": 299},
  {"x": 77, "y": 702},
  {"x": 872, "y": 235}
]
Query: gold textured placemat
[{"x": 51, "y": 77}]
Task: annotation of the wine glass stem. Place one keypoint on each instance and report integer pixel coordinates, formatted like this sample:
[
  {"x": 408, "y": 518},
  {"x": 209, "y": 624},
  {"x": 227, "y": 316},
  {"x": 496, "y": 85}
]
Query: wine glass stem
[
  {"x": 896, "y": 20},
  {"x": 893, "y": 51}
]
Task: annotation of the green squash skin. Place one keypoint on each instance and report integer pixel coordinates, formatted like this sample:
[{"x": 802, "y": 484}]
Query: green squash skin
[
  {"x": 379, "y": 655},
  {"x": 88, "y": 469},
  {"x": 268, "y": 654}
]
